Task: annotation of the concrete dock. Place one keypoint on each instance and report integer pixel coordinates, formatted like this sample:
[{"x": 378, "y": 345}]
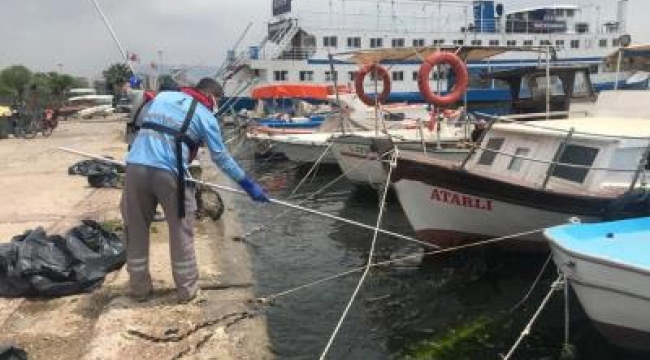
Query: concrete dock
[{"x": 37, "y": 191}]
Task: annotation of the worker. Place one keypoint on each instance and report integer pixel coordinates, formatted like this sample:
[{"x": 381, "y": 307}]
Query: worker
[{"x": 156, "y": 166}]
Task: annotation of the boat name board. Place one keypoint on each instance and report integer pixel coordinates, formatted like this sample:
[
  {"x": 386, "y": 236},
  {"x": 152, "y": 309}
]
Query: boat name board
[{"x": 456, "y": 199}]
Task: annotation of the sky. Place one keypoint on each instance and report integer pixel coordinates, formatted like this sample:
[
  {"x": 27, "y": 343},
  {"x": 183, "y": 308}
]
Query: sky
[{"x": 48, "y": 35}]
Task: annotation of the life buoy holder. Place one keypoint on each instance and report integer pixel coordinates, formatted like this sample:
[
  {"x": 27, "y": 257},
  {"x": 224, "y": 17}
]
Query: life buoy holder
[
  {"x": 385, "y": 79},
  {"x": 460, "y": 70}
]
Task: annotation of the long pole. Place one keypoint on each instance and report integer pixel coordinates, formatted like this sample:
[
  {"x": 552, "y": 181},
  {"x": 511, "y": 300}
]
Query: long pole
[
  {"x": 273, "y": 201},
  {"x": 110, "y": 29},
  {"x": 618, "y": 68}
]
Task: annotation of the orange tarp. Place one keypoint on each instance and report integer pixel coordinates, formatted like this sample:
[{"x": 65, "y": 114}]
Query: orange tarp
[{"x": 306, "y": 91}]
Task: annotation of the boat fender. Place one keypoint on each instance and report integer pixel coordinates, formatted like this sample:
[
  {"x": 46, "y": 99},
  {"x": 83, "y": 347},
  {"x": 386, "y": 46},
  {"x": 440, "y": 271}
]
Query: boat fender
[
  {"x": 460, "y": 70},
  {"x": 385, "y": 79},
  {"x": 633, "y": 204}
]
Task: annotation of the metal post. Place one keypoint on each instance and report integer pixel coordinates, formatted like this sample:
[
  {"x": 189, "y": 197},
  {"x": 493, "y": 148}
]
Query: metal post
[
  {"x": 548, "y": 83},
  {"x": 336, "y": 92},
  {"x": 618, "y": 68},
  {"x": 476, "y": 146},
  {"x": 640, "y": 168},
  {"x": 556, "y": 159}
]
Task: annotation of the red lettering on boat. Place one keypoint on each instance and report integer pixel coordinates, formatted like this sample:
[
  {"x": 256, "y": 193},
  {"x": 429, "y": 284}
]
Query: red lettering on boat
[{"x": 458, "y": 199}]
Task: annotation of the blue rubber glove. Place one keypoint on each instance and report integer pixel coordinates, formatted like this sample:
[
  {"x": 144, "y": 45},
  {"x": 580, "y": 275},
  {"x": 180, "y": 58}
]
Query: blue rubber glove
[{"x": 254, "y": 190}]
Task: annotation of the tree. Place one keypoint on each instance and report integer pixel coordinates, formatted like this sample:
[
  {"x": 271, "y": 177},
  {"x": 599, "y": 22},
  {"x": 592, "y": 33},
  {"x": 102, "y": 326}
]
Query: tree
[
  {"x": 116, "y": 75},
  {"x": 60, "y": 83},
  {"x": 17, "y": 79}
]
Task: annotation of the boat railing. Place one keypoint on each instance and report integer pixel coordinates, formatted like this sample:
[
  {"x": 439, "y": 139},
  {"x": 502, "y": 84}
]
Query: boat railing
[
  {"x": 516, "y": 119},
  {"x": 556, "y": 163}
]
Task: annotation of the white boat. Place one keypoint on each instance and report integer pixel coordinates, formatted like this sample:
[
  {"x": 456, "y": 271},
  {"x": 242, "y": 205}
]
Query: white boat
[
  {"x": 95, "y": 105},
  {"x": 306, "y": 146},
  {"x": 528, "y": 176},
  {"x": 608, "y": 266},
  {"x": 362, "y": 156},
  {"x": 301, "y": 35}
]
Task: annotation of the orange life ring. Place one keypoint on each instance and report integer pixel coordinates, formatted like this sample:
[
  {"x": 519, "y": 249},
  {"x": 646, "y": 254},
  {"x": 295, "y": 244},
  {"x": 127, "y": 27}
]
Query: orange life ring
[
  {"x": 385, "y": 79},
  {"x": 459, "y": 68}
]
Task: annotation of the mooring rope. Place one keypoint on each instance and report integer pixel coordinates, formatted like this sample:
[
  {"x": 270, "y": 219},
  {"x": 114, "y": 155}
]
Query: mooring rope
[
  {"x": 557, "y": 285},
  {"x": 272, "y": 297},
  {"x": 534, "y": 285},
  {"x": 382, "y": 207}
]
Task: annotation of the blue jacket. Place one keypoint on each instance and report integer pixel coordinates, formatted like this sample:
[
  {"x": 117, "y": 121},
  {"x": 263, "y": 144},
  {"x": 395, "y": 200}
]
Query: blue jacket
[{"x": 155, "y": 149}]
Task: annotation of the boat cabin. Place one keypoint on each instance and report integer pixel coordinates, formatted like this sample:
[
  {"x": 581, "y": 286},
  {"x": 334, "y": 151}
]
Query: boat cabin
[
  {"x": 593, "y": 155},
  {"x": 528, "y": 88}
]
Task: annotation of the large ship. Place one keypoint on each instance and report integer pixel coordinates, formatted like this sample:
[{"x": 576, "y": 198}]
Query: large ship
[{"x": 301, "y": 36}]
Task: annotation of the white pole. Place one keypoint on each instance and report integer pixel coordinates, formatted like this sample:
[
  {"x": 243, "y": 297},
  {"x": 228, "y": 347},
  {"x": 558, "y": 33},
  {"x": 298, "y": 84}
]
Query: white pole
[
  {"x": 618, "y": 68},
  {"x": 240, "y": 192},
  {"x": 548, "y": 83},
  {"x": 110, "y": 29}
]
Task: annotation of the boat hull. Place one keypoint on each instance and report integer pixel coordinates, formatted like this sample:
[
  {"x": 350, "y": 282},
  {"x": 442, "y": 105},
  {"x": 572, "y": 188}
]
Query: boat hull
[
  {"x": 360, "y": 158},
  {"x": 615, "y": 297},
  {"x": 449, "y": 207},
  {"x": 305, "y": 153}
]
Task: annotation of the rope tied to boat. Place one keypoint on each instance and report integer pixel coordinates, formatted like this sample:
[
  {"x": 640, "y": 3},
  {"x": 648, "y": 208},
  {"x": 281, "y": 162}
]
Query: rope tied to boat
[
  {"x": 371, "y": 255},
  {"x": 557, "y": 285}
]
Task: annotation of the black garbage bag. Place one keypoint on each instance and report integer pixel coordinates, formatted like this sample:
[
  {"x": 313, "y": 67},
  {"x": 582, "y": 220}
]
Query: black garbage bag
[
  {"x": 10, "y": 352},
  {"x": 104, "y": 180},
  {"x": 99, "y": 174},
  {"x": 87, "y": 167},
  {"x": 96, "y": 247},
  {"x": 35, "y": 264}
]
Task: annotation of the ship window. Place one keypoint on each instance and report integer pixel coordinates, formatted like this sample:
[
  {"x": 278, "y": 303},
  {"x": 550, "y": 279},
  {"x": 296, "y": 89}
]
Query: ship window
[
  {"x": 330, "y": 41},
  {"x": 280, "y": 75},
  {"x": 257, "y": 73},
  {"x": 398, "y": 76},
  {"x": 477, "y": 42},
  {"x": 545, "y": 43},
  {"x": 306, "y": 76},
  {"x": 528, "y": 42},
  {"x": 615, "y": 43},
  {"x": 439, "y": 42},
  {"x": 488, "y": 157},
  {"x": 418, "y": 42},
  {"x": 575, "y": 44},
  {"x": 594, "y": 69},
  {"x": 329, "y": 77},
  {"x": 559, "y": 43},
  {"x": 602, "y": 42},
  {"x": 376, "y": 42},
  {"x": 352, "y": 75},
  {"x": 494, "y": 42},
  {"x": 398, "y": 43},
  {"x": 517, "y": 161},
  {"x": 416, "y": 74},
  {"x": 512, "y": 42},
  {"x": 459, "y": 42},
  {"x": 354, "y": 42},
  {"x": 575, "y": 155}
]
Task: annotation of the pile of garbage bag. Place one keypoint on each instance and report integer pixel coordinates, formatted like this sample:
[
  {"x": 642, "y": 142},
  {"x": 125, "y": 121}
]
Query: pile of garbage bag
[
  {"x": 35, "y": 264},
  {"x": 100, "y": 174},
  {"x": 10, "y": 352}
]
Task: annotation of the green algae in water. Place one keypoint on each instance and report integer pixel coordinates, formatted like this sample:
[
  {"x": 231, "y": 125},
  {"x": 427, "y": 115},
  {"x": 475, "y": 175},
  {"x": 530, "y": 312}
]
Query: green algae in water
[{"x": 459, "y": 343}]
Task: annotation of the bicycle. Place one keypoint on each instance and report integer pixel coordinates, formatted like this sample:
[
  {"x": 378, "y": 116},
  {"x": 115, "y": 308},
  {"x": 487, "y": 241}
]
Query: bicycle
[{"x": 28, "y": 126}]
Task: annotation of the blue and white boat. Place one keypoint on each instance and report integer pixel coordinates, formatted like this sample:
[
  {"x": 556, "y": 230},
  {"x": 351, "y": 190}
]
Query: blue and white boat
[
  {"x": 608, "y": 266},
  {"x": 302, "y": 34}
]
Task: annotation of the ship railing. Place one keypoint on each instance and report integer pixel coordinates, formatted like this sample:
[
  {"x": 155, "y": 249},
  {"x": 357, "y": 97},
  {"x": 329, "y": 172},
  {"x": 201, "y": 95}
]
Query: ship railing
[{"x": 570, "y": 134}]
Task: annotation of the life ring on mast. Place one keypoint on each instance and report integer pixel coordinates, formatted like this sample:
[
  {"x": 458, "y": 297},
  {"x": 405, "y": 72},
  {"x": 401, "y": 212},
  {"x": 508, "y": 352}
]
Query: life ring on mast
[
  {"x": 385, "y": 79},
  {"x": 460, "y": 70}
]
